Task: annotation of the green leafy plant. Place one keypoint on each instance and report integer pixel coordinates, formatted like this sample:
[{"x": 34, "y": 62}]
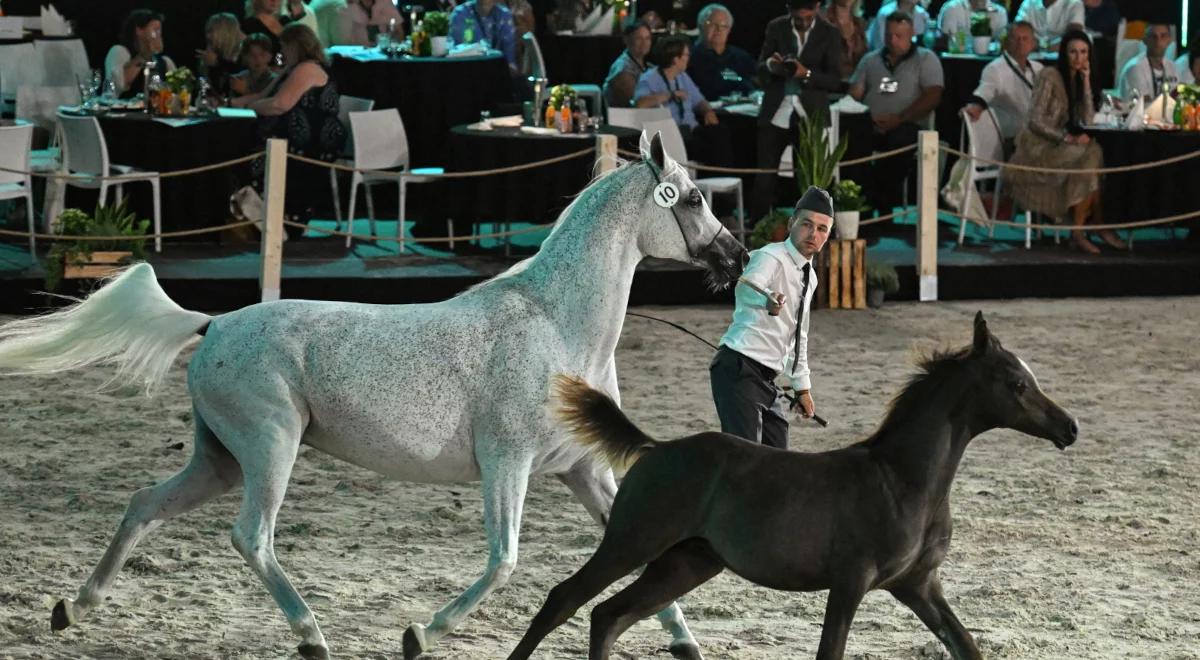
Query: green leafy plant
[
  {"x": 114, "y": 220},
  {"x": 768, "y": 229},
  {"x": 848, "y": 196},
  {"x": 883, "y": 277},
  {"x": 562, "y": 94},
  {"x": 1188, "y": 93},
  {"x": 981, "y": 25},
  {"x": 436, "y": 23},
  {"x": 815, "y": 158},
  {"x": 180, "y": 79}
]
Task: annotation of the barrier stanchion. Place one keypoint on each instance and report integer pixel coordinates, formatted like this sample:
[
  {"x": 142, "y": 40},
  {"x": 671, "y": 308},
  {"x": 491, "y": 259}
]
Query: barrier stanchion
[
  {"x": 927, "y": 203},
  {"x": 606, "y": 153},
  {"x": 272, "y": 236}
]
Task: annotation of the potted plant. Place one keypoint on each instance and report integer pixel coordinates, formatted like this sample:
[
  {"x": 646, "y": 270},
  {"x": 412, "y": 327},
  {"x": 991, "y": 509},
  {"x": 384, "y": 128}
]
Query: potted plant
[
  {"x": 436, "y": 26},
  {"x": 79, "y": 259},
  {"x": 771, "y": 228},
  {"x": 179, "y": 84},
  {"x": 848, "y": 203},
  {"x": 882, "y": 279},
  {"x": 981, "y": 33},
  {"x": 816, "y": 159}
]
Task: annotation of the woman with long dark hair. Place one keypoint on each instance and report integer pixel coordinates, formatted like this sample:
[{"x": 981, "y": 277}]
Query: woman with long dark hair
[
  {"x": 1065, "y": 98},
  {"x": 140, "y": 42}
]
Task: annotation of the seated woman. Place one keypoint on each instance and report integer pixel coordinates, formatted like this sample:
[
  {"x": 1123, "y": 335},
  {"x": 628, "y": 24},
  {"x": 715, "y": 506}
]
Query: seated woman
[
  {"x": 267, "y": 17},
  {"x": 1065, "y": 97},
  {"x": 629, "y": 66},
  {"x": 141, "y": 42},
  {"x": 257, "y": 56},
  {"x": 219, "y": 59},
  {"x": 669, "y": 85},
  {"x": 301, "y": 107},
  {"x": 846, "y": 16}
]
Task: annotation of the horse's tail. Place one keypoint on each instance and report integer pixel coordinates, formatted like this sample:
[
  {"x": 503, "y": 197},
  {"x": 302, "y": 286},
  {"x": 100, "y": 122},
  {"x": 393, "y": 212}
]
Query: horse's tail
[
  {"x": 129, "y": 322},
  {"x": 597, "y": 422}
]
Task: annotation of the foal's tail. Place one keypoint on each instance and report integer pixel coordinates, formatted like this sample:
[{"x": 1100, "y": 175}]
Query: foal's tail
[
  {"x": 597, "y": 422},
  {"x": 129, "y": 322}
]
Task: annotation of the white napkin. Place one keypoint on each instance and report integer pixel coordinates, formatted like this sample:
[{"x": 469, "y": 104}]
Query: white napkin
[
  {"x": 598, "y": 22},
  {"x": 468, "y": 50},
  {"x": 537, "y": 130},
  {"x": 480, "y": 126},
  {"x": 848, "y": 106},
  {"x": 11, "y": 27},
  {"x": 1135, "y": 120},
  {"x": 1156, "y": 110},
  {"x": 511, "y": 121},
  {"x": 585, "y": 23},
  {"x": 53, "y": 23}
]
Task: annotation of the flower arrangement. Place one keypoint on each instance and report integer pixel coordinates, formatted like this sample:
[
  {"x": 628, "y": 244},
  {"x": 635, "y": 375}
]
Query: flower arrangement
[
  {"x": 1188, "y": 93},
  {"x": 180, "y": 79},
  {"x": 848, "y": 196},
  {"x": 981, "y": 25},
  {"x": 436, "y": 23},
  {"x": 561, "y": 95}
]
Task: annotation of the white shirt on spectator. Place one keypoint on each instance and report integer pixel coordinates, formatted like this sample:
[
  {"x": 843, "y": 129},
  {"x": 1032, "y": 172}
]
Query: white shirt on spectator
[
  {"x": 875, "y": 30},
  {"x": 1006, "y": 93},
  {"x": 1049, "y": 23},
  {"x": 771, "y": 340},
  {"x": 346, "y": 23},
  {"x": 955, "y": 17},
  {"x": 1185, "y": 72},
  {"x": 791, "y": 102},
  {"x": 1138, "y": 75},
  {"x": 114, "y": 66}
]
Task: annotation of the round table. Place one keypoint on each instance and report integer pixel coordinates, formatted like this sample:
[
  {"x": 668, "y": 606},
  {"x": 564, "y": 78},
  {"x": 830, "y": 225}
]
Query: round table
[
  {"x": 579, "y": 58},
  {"x": 432, "y": 93},
  {"x": 1150, "y": 193}
]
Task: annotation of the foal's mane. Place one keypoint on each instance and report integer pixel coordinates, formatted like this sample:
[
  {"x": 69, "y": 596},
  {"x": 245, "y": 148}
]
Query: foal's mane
[{"x": 934, "y": 368}]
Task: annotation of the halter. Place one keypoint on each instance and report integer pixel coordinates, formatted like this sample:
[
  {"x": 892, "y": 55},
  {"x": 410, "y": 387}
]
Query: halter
[{"x": 687, "y": 240}]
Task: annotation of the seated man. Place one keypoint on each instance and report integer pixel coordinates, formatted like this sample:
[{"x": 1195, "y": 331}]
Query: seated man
[
  {"x": 485, "y": 20},
  {"x": 1188, "y": 63},
  {"x": 356, "y": 22},
  {"x": 1006, "y": 85},
  {"x": 900, "y": 84},
  {"x": 1051, "y": 19},
  {"x": 628, "y": 67},
  {"x": 1150, "y": 72},
  {"x": 718, "y": 68},
  {"x": 955, "y": 16},
  {"x": 918, "y": 17}
]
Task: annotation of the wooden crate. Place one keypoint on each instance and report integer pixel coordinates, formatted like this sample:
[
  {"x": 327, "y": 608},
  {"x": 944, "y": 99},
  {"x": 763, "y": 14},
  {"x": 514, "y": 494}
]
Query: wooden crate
[
  {"x": 842, "y": 267},
  {"x": 102, "y": 264}
]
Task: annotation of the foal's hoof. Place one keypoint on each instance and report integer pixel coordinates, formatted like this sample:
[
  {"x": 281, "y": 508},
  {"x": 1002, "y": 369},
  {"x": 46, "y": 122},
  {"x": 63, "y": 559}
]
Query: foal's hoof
[
  {"x": 686, "y": 651},
  {"x": 414, "y": 641},
  {"x": 313, "y": 652},
  {"x": 61, "y": 617}
]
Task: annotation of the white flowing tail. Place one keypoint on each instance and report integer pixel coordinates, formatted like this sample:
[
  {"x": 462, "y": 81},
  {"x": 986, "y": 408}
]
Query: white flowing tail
[{"x": 129, "y": 322}]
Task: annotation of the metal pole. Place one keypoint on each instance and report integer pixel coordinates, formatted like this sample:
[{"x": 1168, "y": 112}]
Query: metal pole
[
  {"x": 272, "y": 231},
  {"x": 927, "y": 244}
]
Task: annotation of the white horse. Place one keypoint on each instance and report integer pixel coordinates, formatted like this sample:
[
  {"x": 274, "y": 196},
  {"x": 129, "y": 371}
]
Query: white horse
[{"x": 447, "y": 392}]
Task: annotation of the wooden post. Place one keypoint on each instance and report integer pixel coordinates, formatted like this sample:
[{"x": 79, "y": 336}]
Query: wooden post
[
  {"x": 927, "y": 196},
  {"x": 272, "y": 231},
  {"x": 606, "y": 153}
]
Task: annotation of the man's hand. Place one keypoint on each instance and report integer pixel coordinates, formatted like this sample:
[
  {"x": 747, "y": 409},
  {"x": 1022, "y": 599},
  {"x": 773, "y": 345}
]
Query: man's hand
[
  {"x": 775, "y": 303},
  {"x": 801, "y": 70},
  {"x": 974, "y": 111},
  {"x": 775, "y": 64},
  {"x": 804, "y": 404},
  {"x": 710, "y": 118},
  {"x": 885, "y": 122}
]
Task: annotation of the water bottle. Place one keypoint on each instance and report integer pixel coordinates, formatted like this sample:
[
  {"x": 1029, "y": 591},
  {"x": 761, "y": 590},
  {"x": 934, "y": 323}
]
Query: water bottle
[{"x": 581, "y": 116}]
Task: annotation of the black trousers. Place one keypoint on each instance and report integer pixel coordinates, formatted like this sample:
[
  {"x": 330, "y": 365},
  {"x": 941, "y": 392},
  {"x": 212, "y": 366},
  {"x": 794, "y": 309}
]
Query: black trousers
[
  {"x": 748, "y": 402},
  {"x": 772, "y": 140},
  {"x": 885, "y": 187}
]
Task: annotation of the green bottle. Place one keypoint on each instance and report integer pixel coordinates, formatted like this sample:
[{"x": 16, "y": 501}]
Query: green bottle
[{"x": 469, "y": 34}]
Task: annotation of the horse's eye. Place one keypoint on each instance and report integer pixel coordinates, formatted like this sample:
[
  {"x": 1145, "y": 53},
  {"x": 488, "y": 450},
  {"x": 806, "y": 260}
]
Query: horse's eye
[
  {"x": 695, "y": 199},
  {"x": 1019, "y": 387}
]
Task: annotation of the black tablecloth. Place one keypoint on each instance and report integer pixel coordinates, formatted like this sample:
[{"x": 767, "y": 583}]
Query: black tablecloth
[
  {"x": 432, "y": 94},
  {"x": 576, "y": 59},
  {"x": 536, "y": 195},
  {"x": 1150, "y": 193},
  {"x": 189, "y": 202}
]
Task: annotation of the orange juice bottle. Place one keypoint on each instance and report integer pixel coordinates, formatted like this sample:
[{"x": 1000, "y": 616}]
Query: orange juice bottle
[
  {"x": 551, "y": 115},
  {"x": 564, "y": 118}
]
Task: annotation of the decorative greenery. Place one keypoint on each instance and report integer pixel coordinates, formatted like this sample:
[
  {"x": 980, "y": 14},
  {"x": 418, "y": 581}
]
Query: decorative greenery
[
  {"x": 562, "y": 94},
  {"x": 436, "y": 23},
  {"x": 180, "y": 79},
  {"x": 815, "y": 158},
  {"x": 981, "y": 25},
  {"x": 848, "y": 196},
  {"x": 883, "y": 277},
  {"x": 767, "y": 229},
  {"x": 104, "y": 221},
  {"x": 1188, "y": 93}
]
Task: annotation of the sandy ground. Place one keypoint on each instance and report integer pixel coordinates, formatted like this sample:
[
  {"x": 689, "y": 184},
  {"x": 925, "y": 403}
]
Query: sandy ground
[{"x": 1089, "y": 553}]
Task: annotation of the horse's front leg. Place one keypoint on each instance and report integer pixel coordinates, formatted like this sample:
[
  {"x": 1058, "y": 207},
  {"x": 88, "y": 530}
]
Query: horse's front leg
[
  {"x": 505, "y": 480},
  {"x": 595, "y": 487},
  {"x": 839, "y": 614},
  {"x": 924, "y": 598}
]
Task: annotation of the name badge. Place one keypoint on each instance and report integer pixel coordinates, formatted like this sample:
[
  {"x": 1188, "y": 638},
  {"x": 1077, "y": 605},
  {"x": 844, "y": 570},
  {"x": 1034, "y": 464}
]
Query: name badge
[
  {"x": 666, "y": 194},
  {"x": 888, "y": 85}
]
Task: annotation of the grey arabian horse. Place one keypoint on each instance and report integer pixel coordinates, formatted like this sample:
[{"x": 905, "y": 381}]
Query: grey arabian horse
[
  {"x": 449, "y": 392},
  {"x": 874, "y": 515}
]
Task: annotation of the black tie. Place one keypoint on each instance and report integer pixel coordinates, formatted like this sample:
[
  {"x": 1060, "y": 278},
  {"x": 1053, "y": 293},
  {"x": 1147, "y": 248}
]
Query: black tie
[{"x": 800, "y": 317}]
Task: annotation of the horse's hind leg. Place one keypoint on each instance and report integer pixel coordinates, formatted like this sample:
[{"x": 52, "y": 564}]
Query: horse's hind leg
[
  {"x": 680, "y": 569},
  {"x": 211, "y": 472}
]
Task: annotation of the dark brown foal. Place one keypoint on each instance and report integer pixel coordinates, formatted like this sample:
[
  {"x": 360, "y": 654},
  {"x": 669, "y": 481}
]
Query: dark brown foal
[{"x": 874, "y": 515}]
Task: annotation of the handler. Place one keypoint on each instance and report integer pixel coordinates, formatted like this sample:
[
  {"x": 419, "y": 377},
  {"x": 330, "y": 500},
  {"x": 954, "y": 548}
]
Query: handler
[{"x": 769, "y": 332}]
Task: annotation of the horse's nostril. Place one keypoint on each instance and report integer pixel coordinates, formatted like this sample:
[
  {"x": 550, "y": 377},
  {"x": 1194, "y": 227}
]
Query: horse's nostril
[{"x": 1074, "y": 429}]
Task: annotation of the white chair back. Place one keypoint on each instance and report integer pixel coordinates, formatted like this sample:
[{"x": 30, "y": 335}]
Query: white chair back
[
  {"x": 346, "y": 105},
  {"x": 636, "y": 117},
  {"x": 15, "y": 143},
  {"x": 534, "y": 64},
  {"x": 84, "y": 148},
  {"x": 40, "y": 104},
  {"x": 672, "y": 139},
  {"x": 63, "y": 61},
  {"x": 380, "y": 142},
  {"x": 983, "y": 137}
]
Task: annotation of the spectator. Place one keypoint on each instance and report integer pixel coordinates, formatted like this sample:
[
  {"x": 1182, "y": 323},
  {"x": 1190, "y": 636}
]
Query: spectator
[
  {"x": 485, "y": 20},
  {"x": 669, "y": 85},
  {"x": 219, "y": 59},
  {"x": 955, "y": 16},
  {"x": 901, "y": 84},
  {"x": 846, "y": 16},
  {"x": 1151, "y": 72},
  {"x": 1006, "y": 85},
  {"x": 1102, "y": 17},
  {"x": 266, "y": 17},
  {"x": 356, "y": 22},
  {"x": 1065, "y": 97},
  {"x": 918, "y": 17},
  {"x": 1188, "y": 64},
  {"x": 257, "y": 56},
  {"x": 1051, "y": 19},
  {"x": 141, "y": 41},
  {"x": 629, "y": 66},
  {"x": 801, "y": 61},
  {"x": 718, "y": 68}
]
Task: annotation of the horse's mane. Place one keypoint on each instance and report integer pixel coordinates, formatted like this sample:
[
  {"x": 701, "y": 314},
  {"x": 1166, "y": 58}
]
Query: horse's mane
[{"x": 933, "y": 369}]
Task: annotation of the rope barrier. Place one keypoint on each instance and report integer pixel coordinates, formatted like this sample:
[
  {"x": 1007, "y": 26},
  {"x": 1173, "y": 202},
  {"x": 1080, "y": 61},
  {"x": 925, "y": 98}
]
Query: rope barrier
[
  {"x": 449, "y": 175},
  {"x": 166, "y": 234},
  {"x": 757, "y": 170},
  {"x": 983, "y": 222},
  {"x": 1090, "y": 170},
  {"x": 421, "y": 241},
  {"x": 137, "y": 176}
]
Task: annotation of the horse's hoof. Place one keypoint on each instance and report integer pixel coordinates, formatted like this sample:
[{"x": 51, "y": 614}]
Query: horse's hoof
[
  {"x": 313, "y": 652},
  {"x": 686, "y": 651},
  {"x": 61, "y": 617},
  {"x": 414, "y": 641}
]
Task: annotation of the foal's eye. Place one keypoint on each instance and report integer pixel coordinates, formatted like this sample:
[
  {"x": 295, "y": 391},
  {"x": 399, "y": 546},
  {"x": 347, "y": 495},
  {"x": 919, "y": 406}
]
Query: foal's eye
[
  {"x": 1019, "y": 387},
  {"x": 695, "y": 199}
]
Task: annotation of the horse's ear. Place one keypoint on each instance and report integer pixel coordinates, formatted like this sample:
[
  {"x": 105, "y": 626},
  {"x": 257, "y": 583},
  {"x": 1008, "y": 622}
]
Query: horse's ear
[
  {"x": 644, "y": 145},
  {"x": 983, "y": 338}
]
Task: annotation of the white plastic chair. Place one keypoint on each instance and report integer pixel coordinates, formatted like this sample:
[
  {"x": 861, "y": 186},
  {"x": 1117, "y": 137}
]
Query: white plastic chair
[
  {"x": 346, "y": 105},
  {"x": 636, "y": 118},
  {"x": 85, "y": 154},
  {"x": 15, "y": 144},
  {"x": 380, "y": 143},
  {"x": 535, "y": 64},
  {"x": 672, "y": 141},
  {"x": 982, "y": 139}
]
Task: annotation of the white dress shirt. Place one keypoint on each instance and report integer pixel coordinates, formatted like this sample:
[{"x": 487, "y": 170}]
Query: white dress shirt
[
  {"x": 770, "y": 340},
  {"x": 1007, "y": 93},
  {"x": 1138, "y": 75},
  {"x": 1049, "y": 23},
  {"x": 791, "y": 102},
  {"x": 955, "y": 17},
  {"x": 875, "y": 30},
  {"x": 1185, "y": 72}
]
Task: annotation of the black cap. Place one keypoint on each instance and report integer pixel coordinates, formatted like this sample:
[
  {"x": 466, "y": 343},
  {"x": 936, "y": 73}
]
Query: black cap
[{"x": 816, "y": 200}]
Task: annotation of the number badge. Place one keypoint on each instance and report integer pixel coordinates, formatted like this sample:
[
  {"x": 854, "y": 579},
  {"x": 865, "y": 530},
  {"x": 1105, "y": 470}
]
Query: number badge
[{"x": 666, "y": 194}]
